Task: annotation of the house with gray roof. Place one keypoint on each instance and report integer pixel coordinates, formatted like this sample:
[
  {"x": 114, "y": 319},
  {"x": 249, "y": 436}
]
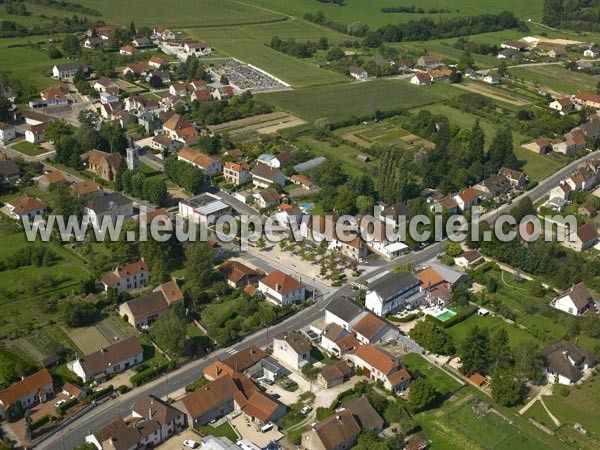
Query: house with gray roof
[
  {"x": 391, "y": 292},
  {"x": 112, "y": 205},
  {"x": 564, "y": 362}
]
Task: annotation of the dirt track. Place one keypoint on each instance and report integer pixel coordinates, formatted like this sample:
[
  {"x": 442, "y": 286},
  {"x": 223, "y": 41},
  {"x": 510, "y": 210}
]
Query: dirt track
[{"x": 488, "y": 92}]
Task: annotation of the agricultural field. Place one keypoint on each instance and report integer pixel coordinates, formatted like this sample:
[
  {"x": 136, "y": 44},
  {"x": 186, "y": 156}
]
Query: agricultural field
[
  {"x": 353, "y": 9},
  {"x": 103, "y": 334},
  {"x": 556, "y": 78},
  {"x": 185, "y": 13},
  {"x": 34, "y": 67},
  {"x": 356, "y": 99}
]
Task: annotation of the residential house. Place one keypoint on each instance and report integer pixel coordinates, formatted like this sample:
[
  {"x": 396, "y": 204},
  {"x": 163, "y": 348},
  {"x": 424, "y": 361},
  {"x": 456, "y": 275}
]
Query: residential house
[
  {"x": 201, "y": 96},
  {"x": 9, "y": 171},
  {"x": 281, "y": 160},
  {"x": 267, "y": 198},
  {"x": 226, "y": 394},
  {"x": 165, "y": 144},
  {"x": 564, "y": 362},
  {"x": 466, "y": 198},
  {"x": 223, "y": 93},
  {"x": 32, "y": 117},
  {"x": 236, "y": 173},
  {"x": 110, "y": 360},
  {"x": 224, "y": 443},
  {"x": 430, "y": 61},
  {"x": 25, "y": 206},
  {"x": 324, "y": 227},
  {"x": 421, "y": 79},
  {"x": 588, "y": 100},
  {"x": 333, "y": 373},
  {"x": 36, "y": 134},
  {"x": 264, "y": 176},
  {"x": 592, "y": 52},
  {"x": 73, "y": 391},
  {"x": 292, "y": 349},
  {"x": 137, "y": 69},
  {"x": 591, "y": 129},
  {"x": 403, "y": 64},
  {"x": 343, "y": 312},
  {"x": 331, "y": 333},
  {"x": 54, "y": 96},
  {"x": 105, "y": 84},
  {"x": 128, "y": 50},
  {"x": 379, "y": 365},
  {"x": 439, "y": 75},
  {"x": 469, "y": 259},
  {"x": 557, "y": 52},
  {"x": 587, "y": 209},
  {"x": 66, "y": 71},
  {"x": 562, "y": 191},
  {"x": 358, "y": 72},
  {"x": 108, "y": 207},
  {"x": 170, "y": 419},
  {"x": 137, "y": 105},
  {"x": 438, "y": 281},
  {"x": 127, "y": 435},
  {"x": 241, "y": 362},
  {"x": 203, "y": 48},
  {"x": 128, "y": 277},
  {"x": 239, "y": 275},
  {"x": 391, "y": 292},
  {"x": 150, "y": 122},
  {"x": 178, "y": 89},
  {"x": 516, "y": 178},
  {"x": 108, "y": 97},
  {"x": 540, "y": 146},
  {"x": 575, "y": 301},
  {"x": 94, "y": 43},
  {"x": 493, "y": 186},
  {"x": 143, "y": 311},
  {"x": 158, "y": 62},
  {"x": 491, "y": 78},
  {"x": 179, "y": 129},
  {"x": 368, "y": 418},
  {"x": 395, "y": 214},
  {"x": 7, "y": 133},
  {"x": 337, "y": 432},
  {"x": 370, "y": 329},
  {"x": 141, "y": 42},
  {"x": 172, "y": 102},
  {"x": 103, "y": 164},
  {"x": 282, "y": 289},
  {"x": 449, "y": 204},
  {"x": 50, "y": 179},
  {"x": 508, "y": 54},
  {"x": 164, "y": 34},
  {"x": 33, "y": 389},
  {"x": 104, "y": 31},
  {"x": 582, "y": 238},
  {"x": 198, "y": 85},
  {"x": 87, "y": 189},
  {"x": 563, "y": 105},
  {"x": 109, "y": 111},
  {"x": 204, "y": 208},
  {"x": 383, "y": 238}
]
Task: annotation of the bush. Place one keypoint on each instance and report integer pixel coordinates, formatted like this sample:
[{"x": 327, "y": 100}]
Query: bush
[
  {"x": 406, "y": 319},
  {"x": 151, "y": 373},
  {"x": 66, "y": 406},
  {"x": 48, "y": 418},
  {"x": 559, "y": 389},
  {"x": 123, "y": 389},
  {"x": 196, "y": 384},
  {"x": 101, "y": 393}
]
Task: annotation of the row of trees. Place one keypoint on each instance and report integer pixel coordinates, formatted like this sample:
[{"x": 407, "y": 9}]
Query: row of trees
[
  {"x": 245, "y": 105},
  {"x": 413, "y": 10},
  {"x": 575, "y": 14},
  {"x": 153, "y": 189},
  {"x": 74, "y": 24},
  {"x": 189, "y": 177},
  {"x": 298, "y": 49}
]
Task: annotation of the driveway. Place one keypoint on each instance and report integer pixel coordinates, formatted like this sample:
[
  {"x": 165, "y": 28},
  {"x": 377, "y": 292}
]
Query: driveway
[
  {"x": 176, "y": 442},
  {"x": 251, "y": 431}
]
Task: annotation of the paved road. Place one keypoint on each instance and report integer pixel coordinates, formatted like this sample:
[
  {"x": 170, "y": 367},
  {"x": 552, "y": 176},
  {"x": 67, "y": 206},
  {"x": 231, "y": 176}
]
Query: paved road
[{"x": 75, "y": 433}]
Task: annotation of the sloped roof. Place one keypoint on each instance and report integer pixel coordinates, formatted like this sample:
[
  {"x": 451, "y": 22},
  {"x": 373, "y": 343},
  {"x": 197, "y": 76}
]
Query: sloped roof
[
  {"x": 26, "y": 203},
  {"x": 265, "y": 172},
  {"x": 393, "y": 284},
  {"x": 345, "y": 309},
  {"x": 171, "y": 291},
  {"x": 295, "y": 340},
  {"x": 363, "y": 411},
  {"x": 377, "y": 358},
  {"x": 369, "y": 325},
  {"x": 337, "y": 429},
  {"x": 98, "y": 361},
  {"x": 148, "y": 304},
  {"x": 86, "y": 187},
  {"x": 580, "y": 295},
  {"x": 281, "y": 282},
  {"x": 28, "y": 385},
  {"x": 154, "y": 408},
  {"x": 235, "y": 271}
]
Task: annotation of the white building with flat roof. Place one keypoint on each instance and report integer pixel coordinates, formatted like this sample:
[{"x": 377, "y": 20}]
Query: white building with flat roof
[{"x": 204, "y": 208}]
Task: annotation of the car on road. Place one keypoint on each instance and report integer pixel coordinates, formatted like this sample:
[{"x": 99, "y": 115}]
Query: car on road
[
  {"x": 306, "y": 410},
  {"x": 189, "y": 443},
  {"x": 60, "y": 402}
]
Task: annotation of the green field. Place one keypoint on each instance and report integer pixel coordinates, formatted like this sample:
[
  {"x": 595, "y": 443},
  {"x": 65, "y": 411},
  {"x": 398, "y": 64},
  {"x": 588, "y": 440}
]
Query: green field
[
  {"x": 369, "y": 12},
  {"x": 556, "y": 78},
  {"x": 537, "y": 412},
  {"x": 29, "y": 66},
  {"x": 442, "y": 382},
  {"x": 28, "y": 148},
  {"x": 460, "y": 330},
  {"x": 356, "y": 99}
]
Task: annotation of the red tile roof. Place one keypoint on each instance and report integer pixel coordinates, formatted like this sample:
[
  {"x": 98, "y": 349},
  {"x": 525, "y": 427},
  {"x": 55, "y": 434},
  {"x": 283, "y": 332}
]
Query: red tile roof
[
  {"x": 281, "y": 282},
  {"x": 29, "y": 385}
]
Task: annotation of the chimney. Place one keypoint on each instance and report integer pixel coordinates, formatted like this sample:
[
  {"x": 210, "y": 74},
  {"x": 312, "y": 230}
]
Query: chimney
[
  {"x": 277, "y": 287},
  {"x": 102, "y": 350},
  {"x": 338, "y": 417},
  {"x": 149, "y": 413}
]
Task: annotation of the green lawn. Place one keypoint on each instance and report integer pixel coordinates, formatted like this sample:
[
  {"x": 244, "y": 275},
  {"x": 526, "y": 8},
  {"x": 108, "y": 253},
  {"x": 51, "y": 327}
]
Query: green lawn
[
  {"x": 33, "y": 67},
  {"x": 537, "y": 412},
  {"x": 29, "y": 149},
  {"x": 356, "y": 99},
  {"x": 460, "y": 330},
  {"x": 222, "y": 430},
  {"x": 442, "y": 382},
  {"x": 556, "y": 78}
]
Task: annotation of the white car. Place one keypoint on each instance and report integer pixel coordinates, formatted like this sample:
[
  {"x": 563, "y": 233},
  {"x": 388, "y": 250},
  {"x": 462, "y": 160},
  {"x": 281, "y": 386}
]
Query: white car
[
  {"x": 60, "y": 402},
  {"x": 189, "y": 443},
  {"x": 306, "y": 410}
]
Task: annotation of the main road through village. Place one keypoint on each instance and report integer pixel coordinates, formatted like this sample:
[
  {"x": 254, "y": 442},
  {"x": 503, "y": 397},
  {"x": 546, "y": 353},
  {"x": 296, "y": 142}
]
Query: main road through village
[{"x": 74, "y": 433}]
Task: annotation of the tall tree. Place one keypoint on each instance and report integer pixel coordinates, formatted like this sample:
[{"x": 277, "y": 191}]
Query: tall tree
[
  {"x": 501, "y": 151},
  {"x": 198, "y": 267},
  {"x": 507, "y": 388},
  {"x": 170, "y": 331},
  {"x": 476, "y": 143},
  {"x": 528, "y": 361},
  {"x": 475, "y": 350},
  {"x": 422, "y": 394}
]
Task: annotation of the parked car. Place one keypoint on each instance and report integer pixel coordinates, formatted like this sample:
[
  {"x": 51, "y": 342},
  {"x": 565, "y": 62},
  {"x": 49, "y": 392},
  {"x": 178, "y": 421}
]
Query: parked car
[
  {"x": 268, "y": 381},
  {"x": 306, "y": 409},
  {"x": 60, "y": 402},
  {"x": 189, "y": 443}
]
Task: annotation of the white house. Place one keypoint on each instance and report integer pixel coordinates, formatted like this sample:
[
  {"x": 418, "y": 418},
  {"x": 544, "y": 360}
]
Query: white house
[
  {"x": 574, "y": 301},
  {"x": 593, "y": 52},
  {"x": 210, "y": 166},
  {"x": 562, "y": 105},
  {"x": 205, "y": 208},
  {"x": 128, "y": 277},
  {"x": 491, "y": 78},
  {"x": 29, "y": 391},
  {"x": 291, "y": 349},
  {"x": 108, "y": 206},
  {"x": 203, "y": 48},
  {"x": 236, "y": 173},
  {"x": 378, "y": 365},
  {"x": 282, "y": 289},
  {"x": 25, "y": 206},
  {"x": 66, "y": 71},
  {"x": 564, "y": 362},
  {"x": 390, "y": 292},
  {"x": 264, "y": 176},
  {"x": 170, "y": 419},
  {"x": 343, "y": 312},
  {"x": 36, "y": 134},
  {"x": 358, "y": 72},
  {"x": 468, "y": 259},
  {"x": 421, "y": 79},
  {"x": 110, "y": 360},
  {"x": 7, "y": 133}
]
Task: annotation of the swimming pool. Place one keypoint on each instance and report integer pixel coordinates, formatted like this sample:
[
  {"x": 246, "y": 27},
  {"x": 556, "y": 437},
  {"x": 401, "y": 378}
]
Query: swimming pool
[{"x": 446, "y": 315}]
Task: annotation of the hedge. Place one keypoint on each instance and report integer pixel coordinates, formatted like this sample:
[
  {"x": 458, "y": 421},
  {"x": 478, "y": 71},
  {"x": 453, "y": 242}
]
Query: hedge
[
  {"x": 406, "y": 319},
  {"x": 196, "y": 384},
  {"x": 42, "y": 421},
  {"x": 151, "y": 373},
  {"x": 66, "y": 406},
  {"x": 101, "y": 393}
]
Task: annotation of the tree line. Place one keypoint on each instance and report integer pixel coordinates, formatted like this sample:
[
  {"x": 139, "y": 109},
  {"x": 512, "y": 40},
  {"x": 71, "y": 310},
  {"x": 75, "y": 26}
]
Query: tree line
[
  {"x": 9, "y": 28},
  {"x": 298, "y": 49},
  {"x": 185, "y": 175},
  {"x": 213, "y": 113},
  {"x": 575, "y": 14},
  {"x": 413, "y": 10},
  {"x": 423, "y": 29}
]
